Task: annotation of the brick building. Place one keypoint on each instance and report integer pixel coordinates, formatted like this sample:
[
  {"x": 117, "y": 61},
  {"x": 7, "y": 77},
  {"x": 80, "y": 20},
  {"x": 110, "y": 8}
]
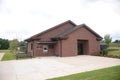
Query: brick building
[{"x": 65, "y": 39}]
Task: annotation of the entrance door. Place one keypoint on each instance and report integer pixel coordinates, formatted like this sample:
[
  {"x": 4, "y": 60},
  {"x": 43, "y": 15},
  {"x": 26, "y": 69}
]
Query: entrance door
[{"x": 80, "y": 48}]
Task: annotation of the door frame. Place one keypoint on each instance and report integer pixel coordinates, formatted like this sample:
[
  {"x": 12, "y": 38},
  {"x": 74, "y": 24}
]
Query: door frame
[{"x": 84, "y": 47}]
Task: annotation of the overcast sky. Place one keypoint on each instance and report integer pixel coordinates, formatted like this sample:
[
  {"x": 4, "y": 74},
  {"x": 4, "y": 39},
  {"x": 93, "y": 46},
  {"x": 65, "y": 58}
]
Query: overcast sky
[{"x": 24, "y": 18}]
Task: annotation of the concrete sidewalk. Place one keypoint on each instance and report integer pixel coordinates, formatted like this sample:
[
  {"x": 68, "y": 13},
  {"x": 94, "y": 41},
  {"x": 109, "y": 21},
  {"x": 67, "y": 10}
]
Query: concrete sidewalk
[
  {"x": 48, "y": 67},
  {"x": 1, "y": 55}
]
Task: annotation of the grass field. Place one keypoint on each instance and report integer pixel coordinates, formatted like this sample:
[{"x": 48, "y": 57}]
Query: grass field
[
  {"x": 8, "y": 55},
  {"x": 112, "y": 73},
  {"x": 4, "y": 51},
  {"x": 114, "y": 52}
]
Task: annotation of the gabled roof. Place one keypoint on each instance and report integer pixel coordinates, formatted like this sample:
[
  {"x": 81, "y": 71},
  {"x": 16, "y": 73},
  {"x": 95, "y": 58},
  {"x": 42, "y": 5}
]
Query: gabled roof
[
  {"x": 70, "y": 30},
  {"x": 59, "y": 25},
  {"x": 64, "y": 33}
]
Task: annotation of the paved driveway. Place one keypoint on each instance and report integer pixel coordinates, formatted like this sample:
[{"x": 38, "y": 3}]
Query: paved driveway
[
  {"x": 48, "y": 67},
  {"x": 1, "y": 55}
]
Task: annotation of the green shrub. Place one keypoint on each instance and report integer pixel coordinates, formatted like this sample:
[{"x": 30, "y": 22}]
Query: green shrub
[{"x": 104, "y": 52}]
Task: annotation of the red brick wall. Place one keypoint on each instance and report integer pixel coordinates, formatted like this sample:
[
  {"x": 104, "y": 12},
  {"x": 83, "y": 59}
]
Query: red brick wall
[
  {"x": 29, "y": 50},
  {"x": 69, "y": 46},
  {"x": 57, "y": 48},
  {"x": 38, "y": 51}
]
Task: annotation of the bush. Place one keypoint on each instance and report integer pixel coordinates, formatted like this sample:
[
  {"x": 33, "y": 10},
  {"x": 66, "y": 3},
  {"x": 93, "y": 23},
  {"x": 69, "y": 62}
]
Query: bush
[
  {"x": 104, "y": 52},
  {"x": 23, "y": 55}
]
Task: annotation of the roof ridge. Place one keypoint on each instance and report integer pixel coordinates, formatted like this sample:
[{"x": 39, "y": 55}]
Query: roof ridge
[
  {"x": 61, "y": 33},
  {"x": 52, "y": 28},
  {"x": 75, "y": 28}
]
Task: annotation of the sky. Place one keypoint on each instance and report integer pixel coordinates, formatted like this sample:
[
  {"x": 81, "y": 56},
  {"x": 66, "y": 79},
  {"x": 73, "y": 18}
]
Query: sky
[{"x": 23, "y": 18}]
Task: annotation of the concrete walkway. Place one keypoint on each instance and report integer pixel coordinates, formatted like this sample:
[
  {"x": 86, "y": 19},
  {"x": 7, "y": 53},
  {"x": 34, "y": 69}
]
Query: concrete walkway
[
  {"x": 48, "y": 67},
  {"x": 1, "y": 55}
]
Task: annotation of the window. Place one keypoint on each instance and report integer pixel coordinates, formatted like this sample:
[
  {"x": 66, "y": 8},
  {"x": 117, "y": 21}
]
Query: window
[{"x": 45, "y": 48}]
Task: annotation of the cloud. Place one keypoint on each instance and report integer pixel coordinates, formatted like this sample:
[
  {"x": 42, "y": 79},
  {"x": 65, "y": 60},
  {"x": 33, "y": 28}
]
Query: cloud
[
  {"x": 21, "y": 35},
  {"x": 114, "y": 3},
  {"x": 115, "y": 36},
  {"x": 34, "y": 16}
]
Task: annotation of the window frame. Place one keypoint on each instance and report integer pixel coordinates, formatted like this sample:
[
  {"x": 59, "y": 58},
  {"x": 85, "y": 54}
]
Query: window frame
[{"x": 45, "y": 48}]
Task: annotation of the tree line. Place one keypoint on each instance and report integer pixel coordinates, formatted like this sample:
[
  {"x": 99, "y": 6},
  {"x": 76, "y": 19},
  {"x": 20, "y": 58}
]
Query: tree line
[
  {"x": 4, "y": 43},
  {"x": 11, "y": 44},
  {"x": 108, "y": 40}
]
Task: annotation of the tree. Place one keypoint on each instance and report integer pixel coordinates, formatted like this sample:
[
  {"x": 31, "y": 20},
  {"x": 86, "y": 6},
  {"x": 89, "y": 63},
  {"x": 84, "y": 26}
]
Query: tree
[
  {"x": 14, "y": 45},
  {"x": 107, "y": 39},
  {"x": 4, "y": 43},
  {"x": 117, "y": 41},
  {"x": 23, "y": 46},
  {"x": 22, "y": 43}
]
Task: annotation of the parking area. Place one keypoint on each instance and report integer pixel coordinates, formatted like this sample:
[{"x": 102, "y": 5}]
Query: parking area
[{"x": 42, "y": 68}]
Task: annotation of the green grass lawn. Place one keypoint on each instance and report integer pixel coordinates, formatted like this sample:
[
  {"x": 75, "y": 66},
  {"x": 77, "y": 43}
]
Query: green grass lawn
[
  {"x": 112, "y": 73},
  {"x": 4, "y": 51},
  {"x": 8, "y": 55},
  {"x": 114, "y": 51}
]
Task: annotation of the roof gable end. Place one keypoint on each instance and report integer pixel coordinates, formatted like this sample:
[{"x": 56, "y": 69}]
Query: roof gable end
[
  {"x": 92, "y": 31},
  {"x": 57, "y": 26},
  {"x": 65, "y": 33}
]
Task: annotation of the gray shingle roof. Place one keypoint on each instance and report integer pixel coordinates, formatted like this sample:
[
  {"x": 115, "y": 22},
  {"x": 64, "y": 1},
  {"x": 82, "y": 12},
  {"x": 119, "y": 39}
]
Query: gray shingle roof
[{"x": 67, "y": 31}]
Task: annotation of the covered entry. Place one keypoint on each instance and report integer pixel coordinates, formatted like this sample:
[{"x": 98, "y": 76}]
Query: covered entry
[
  {"x": 45, "y": 48},
  {"x": 82, "y": 47}
]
